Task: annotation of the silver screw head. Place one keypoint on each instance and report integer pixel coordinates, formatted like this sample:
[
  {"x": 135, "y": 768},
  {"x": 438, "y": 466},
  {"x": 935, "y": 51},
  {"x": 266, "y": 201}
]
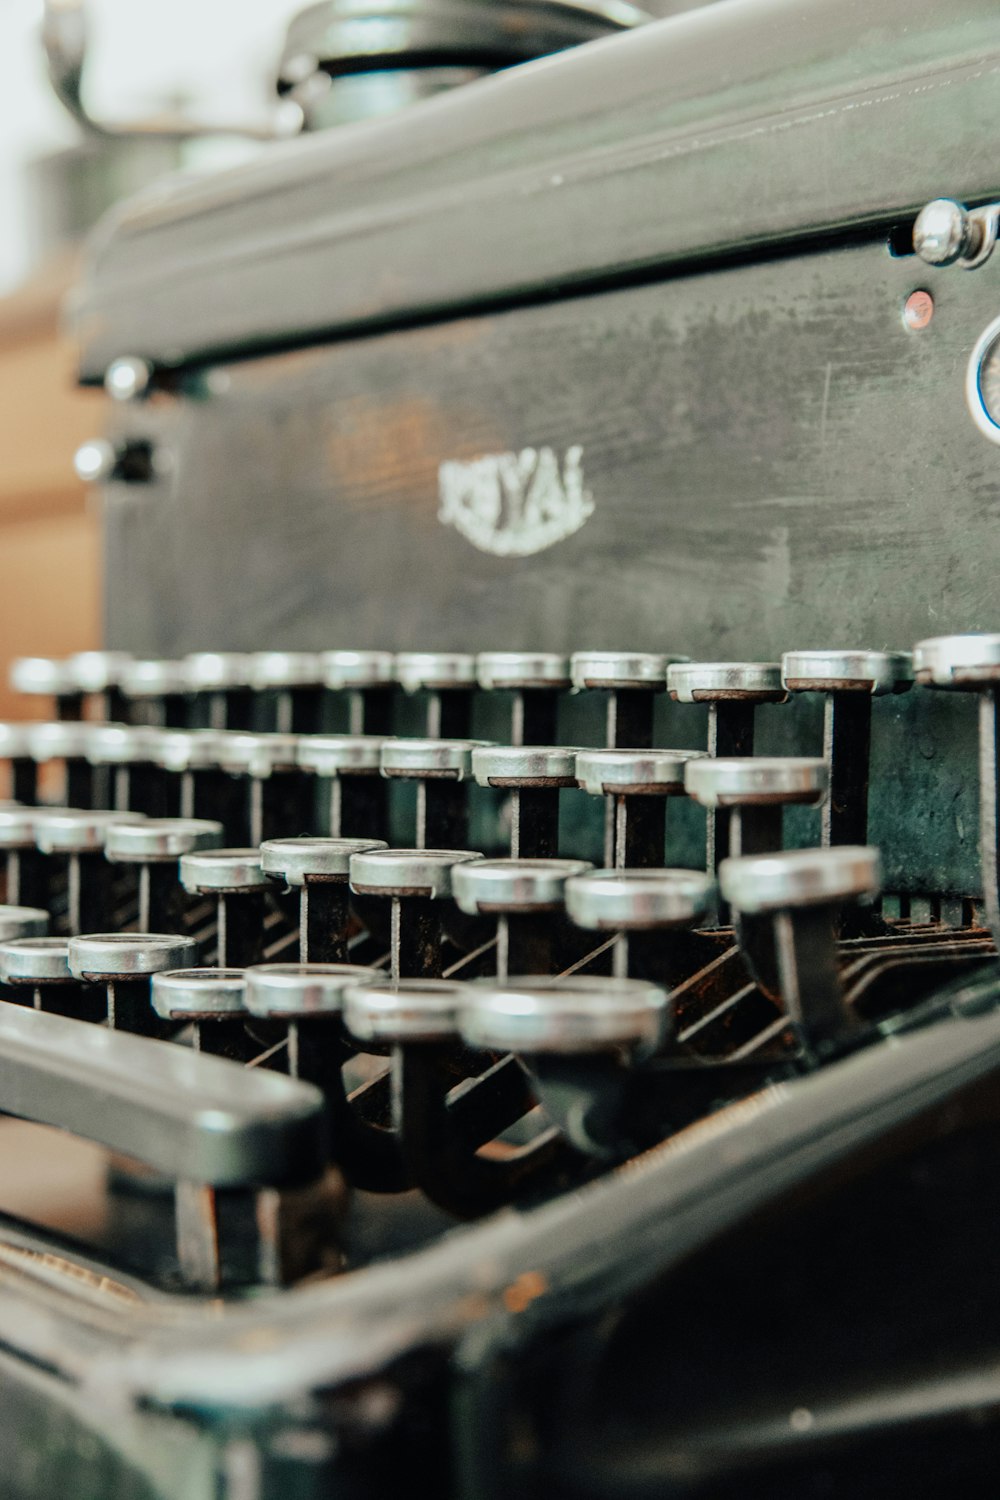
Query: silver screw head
[
  {"x": 941, "y": 232},
  {"x": 95, "y": 461},
  {"x": 128, "y": 378}
]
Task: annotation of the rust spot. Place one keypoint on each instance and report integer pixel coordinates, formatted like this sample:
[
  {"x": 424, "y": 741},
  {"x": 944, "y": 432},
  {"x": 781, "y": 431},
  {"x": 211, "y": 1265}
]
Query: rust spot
[{"x": 522, "y": 1292}]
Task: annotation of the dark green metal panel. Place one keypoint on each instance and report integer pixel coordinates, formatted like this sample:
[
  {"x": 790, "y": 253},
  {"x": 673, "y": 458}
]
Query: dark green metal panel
[{"x": 774, "y": 462}]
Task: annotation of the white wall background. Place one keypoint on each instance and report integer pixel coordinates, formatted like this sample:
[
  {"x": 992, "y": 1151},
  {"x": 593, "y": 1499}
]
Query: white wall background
[{"x": 220, "y": 54}]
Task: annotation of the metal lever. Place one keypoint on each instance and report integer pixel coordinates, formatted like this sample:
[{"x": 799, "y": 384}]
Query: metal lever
[
  {"x": 230, "y": 1140},
  {"x": 64, "y": 38}
]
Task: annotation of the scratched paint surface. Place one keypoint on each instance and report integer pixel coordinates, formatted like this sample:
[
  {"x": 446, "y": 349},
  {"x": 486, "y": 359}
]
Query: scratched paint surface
[{"x": 772, "y": 459}]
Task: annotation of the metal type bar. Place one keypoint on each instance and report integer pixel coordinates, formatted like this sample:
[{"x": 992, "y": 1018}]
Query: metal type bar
[
  {"x": 91, "y": 894},
  {"x": 756, "y": 829},
  {"x": 415, "y": 938},
  {"x": 324, "y": 918},
  {"x": 442, "y": 814},
  {"x": 208, "y": 793},
  {"x": 639, "y": 832},
  {"x": 526, "y": 943},
  {"x": 630, "y": 719},
  {"x": 847, "y": 727},
  {"x": 730, "y": 733},
  {"x": 24, "y": 781},
  {"x": 449, "y": 714},
  {"x": 358, "y": 807},
  {"x": 164, "y": 904},
  {"x": 131, "y": 1009},
  {"x": 279, "y": 806},
  {"x": 535, "y": 716},
  {"x": 439, "y": 1159},
  {"x": 534, "y": 826},
  {"x": 240, "y": 928}
]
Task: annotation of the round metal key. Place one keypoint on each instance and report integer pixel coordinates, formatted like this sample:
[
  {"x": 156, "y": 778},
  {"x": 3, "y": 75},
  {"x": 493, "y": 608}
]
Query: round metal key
[
  {"x": 97, "y": 671},
  {"x": 49, "y": 676},
  {"x": 129, "y": 955},
  {"x": 512, "y": 885},
  {"x": 341, "y": 754},
  {"x": 639, "y": 900},
  {"x": 298, "y": 990},
  {"x": 621, "y": 670},
  {"x": 726, "y": 681},
  {"x": 35, "y": 960},
  {"x": 417, "y": 760},
  {"x": 436, "y": 671},
  {"x": 221, "y": 870},
  {"x": 801, "y": 877},
  {"x": 217, "y": 671},
  {"x": 160, "y": 839},
  {"x": 757, "y": 781},
  {"x": 77, "y": 831},
  {"x": 154, "y": 679},
  {"x": 358, "y": 669},
  {"x": 285, "y": 669},
  {"x": 63, "y": 739},
  {"x": 410, "y": 1010},
  {"x": 957, "y": 661},
  {"x": 632, "y": 773},
  {"x": 258, "y": 755},
  {"x": 22, "y": 922},
  {"x": 525, "y": 765},
  {"x": 874, "y": 672},
  {"x": 520, "y": 670},
  {"x": 191, "y": 994},
  {"x": 407, "y": 872},
  {"x": 564, "y": 1015},
  {"x": 299, "y": 861}
]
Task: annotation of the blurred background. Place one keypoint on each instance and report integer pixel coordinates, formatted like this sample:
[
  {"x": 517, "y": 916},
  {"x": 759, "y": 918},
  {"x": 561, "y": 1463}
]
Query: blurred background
[{"x": 209, "y": 57}]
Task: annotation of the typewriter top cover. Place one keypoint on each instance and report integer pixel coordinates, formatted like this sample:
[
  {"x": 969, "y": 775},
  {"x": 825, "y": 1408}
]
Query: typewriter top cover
[{"x": 623, "y": 351}]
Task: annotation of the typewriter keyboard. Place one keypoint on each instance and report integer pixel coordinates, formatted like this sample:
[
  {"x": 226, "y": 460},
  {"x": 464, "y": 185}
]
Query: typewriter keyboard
[{"x": 330, "y": 952}]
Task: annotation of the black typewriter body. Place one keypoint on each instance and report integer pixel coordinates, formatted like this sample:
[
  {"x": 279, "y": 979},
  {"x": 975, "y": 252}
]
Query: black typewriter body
[{"x": 629, "y": 349}]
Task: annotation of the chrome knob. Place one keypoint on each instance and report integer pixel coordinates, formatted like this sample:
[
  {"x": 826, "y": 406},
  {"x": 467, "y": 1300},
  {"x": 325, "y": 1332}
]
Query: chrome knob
[
  {"x": 943, "y": 233},
  {"x": 128, "y": 378}
]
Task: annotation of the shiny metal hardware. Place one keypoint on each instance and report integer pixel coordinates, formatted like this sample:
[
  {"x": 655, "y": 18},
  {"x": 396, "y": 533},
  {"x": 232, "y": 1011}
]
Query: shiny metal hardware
[
  {"x": 873, "y": 672},
  {"x": 633, "y": 773},
  {"x": 948, "y": 234},
  {"x": 296, "y": 990},
  {"x": 579, "y": 1014},
  {"x": 787, "y": 907},
  {"x": 213, "y": 870},
  {"x": 723, "y": 681},
  {"x": 128, "y": 378},
  {"x": 411, "y": 1010},
  {"x": 405, "y": 872},
  {"x": 510, "y": 885},
  {"x": 760, "y": 781},
  {"x": 180, "y": 994},
  {"x": 297, "y": 861},
  {"x": 614, "y": 900},
  {"x": 129, "y": 955},
  {"x": 801, "y": 877},
  {"x": 22, "y": 922},
  {"x": 156, "y": 839}
]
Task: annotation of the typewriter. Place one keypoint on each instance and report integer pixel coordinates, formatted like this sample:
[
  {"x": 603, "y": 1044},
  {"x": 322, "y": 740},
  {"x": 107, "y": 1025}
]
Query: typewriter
[{"x": 499, "y": 971}]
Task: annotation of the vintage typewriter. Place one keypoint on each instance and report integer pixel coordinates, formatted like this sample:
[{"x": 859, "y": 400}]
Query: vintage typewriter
[{"x": 499, "y": 984}]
